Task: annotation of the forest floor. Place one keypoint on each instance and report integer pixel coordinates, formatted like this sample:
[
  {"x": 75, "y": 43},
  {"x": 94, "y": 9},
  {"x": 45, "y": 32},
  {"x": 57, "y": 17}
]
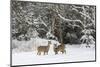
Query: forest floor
[{"x": 74, "y": 53}]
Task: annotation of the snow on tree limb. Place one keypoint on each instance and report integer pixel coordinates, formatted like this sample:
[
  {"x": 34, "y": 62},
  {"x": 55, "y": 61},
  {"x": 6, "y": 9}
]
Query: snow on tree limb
[
  {"x": 75, "y": 9},
  {"x": 87, "y": 17},
  {"x": 88, "y": 31},
  {"x": 41, "y": 29},
  {"x": 39, "y": 21},
  {"x": 42, "y": 21},
  {"x": 69, "y": 19}
]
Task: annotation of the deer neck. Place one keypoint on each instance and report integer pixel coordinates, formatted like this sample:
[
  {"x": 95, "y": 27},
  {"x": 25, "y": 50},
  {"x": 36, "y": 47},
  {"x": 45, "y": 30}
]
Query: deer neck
[{"x": 62, "y": 44}]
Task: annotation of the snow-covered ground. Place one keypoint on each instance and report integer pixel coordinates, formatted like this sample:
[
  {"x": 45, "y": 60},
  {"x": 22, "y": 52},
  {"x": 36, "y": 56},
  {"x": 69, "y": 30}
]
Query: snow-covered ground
[{"x": 73, "y": 53}]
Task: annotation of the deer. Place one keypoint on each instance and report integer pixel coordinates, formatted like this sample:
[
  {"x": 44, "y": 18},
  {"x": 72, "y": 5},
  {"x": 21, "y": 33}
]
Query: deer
[
  {"x": 60, "y": 48},
  {"x": 43, "y": 49}
]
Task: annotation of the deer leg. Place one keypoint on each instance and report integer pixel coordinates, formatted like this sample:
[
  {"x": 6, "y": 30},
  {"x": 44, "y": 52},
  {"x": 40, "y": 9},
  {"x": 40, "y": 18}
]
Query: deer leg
[
  {"x": 56, "y": 52},
  {"x": 39, "y": 53},
  {"x": 44, "y": 53},
  {"x": 47, "y": 53},
  {"x": 65, "y": 51}
]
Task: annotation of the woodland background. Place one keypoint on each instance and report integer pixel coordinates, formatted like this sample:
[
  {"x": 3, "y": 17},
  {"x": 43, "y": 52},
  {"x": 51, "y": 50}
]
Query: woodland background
[{"x": 73, "y": 24}]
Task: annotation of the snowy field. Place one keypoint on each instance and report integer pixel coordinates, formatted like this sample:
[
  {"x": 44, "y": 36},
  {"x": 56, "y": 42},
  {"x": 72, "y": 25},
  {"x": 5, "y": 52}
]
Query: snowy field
[{"x": 73, "y": 53}]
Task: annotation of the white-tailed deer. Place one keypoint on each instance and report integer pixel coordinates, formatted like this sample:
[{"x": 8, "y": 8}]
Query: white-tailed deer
[
  {"x": 43, "y": 49},
  {"x": 60, "y": 48}
]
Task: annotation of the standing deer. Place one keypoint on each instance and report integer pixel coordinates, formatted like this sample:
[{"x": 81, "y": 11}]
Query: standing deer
[
  {"x": 60, "y": 48},
  {"x": 43, "y": 49}
]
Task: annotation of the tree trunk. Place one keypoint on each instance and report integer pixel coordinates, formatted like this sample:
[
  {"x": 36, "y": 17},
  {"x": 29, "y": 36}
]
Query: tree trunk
[
  {"x": 60, "y": 30},
  {"x": 52, "y": 26}
]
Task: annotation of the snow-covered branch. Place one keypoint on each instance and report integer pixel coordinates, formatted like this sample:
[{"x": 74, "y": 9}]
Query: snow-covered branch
[
  {"x": 75, "y": 9},
  {"x": 41, "y": 29},
  {"x": 74, "y": 21},
  {"x": 67, "y": 19},
  {"x": 42, "y": 21},
  {"x": 88, "y": 31}
]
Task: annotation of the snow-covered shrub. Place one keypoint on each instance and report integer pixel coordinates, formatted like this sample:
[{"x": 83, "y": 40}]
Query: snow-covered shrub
[
  {"x": 22, "y": 45},
  {"x": 89, "y": 39}
]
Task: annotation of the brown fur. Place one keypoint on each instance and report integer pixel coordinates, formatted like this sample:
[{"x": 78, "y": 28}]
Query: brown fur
[
  {"x": 60, "y": 48},
  {"x": 43, "y": 49}
]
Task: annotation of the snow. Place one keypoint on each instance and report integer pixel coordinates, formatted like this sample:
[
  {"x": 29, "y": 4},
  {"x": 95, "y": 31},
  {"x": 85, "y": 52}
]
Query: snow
[{"x": 73, "y": 53}]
